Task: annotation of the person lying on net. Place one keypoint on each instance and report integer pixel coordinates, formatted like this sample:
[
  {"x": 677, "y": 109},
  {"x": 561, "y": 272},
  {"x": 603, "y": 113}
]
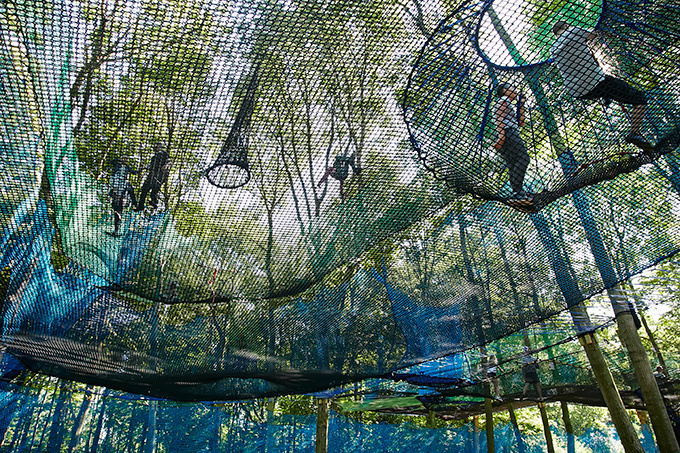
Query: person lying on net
[
  {"x": 509, "y": 118},
  {"x": 584, "y": 78}
]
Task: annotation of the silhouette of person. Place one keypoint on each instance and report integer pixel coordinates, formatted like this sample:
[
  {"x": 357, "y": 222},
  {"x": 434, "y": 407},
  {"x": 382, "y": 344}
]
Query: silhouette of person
[
  {"x": 120, "y": 188},
  {"x": 159, "y": 169},
  {"x": 530, "y": 373},
  {"x": 509, "y": 118},
  {"x": 339, "y": 171}
]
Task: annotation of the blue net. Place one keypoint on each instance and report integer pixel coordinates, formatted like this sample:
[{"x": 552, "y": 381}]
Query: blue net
[
  {"x": 61, "y": 416},
  {"x": 284, "y": 198}
]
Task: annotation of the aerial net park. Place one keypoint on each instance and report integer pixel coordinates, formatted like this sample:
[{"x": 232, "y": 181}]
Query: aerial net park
[{"x": 427, "y": 225}]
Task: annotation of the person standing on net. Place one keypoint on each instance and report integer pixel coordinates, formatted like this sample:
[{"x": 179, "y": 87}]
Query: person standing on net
[
  {"x": 509, "y": 118},
  {"x": 584, "y": 78},
  {"x": 120, "y": 189},
  {"x": 159, "y": 169},
  {"x": 530, "y": 373}
]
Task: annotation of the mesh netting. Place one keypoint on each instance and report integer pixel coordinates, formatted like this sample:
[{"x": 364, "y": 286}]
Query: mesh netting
[
  {"x": 486, "y": 54},
  {"x": 62, "y": 416},
  {"x": 336, "y": 255}
]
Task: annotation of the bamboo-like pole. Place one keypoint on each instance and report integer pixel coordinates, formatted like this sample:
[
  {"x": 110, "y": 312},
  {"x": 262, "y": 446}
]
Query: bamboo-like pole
[
  {"x": 572, "y": 295},
  {"x": 568, "y": 427},
  {"x": 322, "y": 426},
  {"x": 628, "y": 332},
  {"x": 546, "y": 427},
  {"x": 488, "y": 410},
  {"x": 518, "y": 436}
]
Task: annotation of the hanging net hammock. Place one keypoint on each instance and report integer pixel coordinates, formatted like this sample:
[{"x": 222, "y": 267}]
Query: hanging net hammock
[
  {"x": 488, "y": 48},
  {"x": 293, "y": 239}
]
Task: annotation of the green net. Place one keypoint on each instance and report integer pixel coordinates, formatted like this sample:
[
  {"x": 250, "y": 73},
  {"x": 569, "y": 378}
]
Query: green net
[{"x": 218, "y": 201}]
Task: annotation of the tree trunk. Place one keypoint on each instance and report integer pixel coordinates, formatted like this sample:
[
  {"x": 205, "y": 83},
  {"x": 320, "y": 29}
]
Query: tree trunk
[
  {"x": 546, "y": 428},
  {"x": 79, "y": 422},
  {"x": 322, "y": 426},
  {"x": 521, "y": 448},
  {"x": 571, "y": 442}
]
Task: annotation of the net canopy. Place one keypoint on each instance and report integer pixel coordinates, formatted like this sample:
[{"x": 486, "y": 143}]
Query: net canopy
[
  {"x": 214, "y": 200},
  {"x": 486, "y": 51}
]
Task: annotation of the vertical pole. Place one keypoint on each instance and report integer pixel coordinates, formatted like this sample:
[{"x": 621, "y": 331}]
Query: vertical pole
[
  {"x": 430, "y": 419},
  {"x": 573, "y": 297},
  {"x": 150, "y": 444},
  {"x": 518, "y": 436},
  {"x": 322, "y": 426},
  {"x": 652, "y": 339},
  {"x": 488, "y": 410},
  {"x": 546, "y": 427},
  {"x": 270, "y": 408},
  {"x": 629, "y": 334},
  {"x": 475, "y": 422},
  {"x": 568, "y": 427},
  {"x": 665, "y": 436}
]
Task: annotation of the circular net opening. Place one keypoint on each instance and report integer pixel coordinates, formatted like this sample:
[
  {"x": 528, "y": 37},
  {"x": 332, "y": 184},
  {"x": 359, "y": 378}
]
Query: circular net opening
[
  {"x": 558, "y": 142},
  {"x": 228, "y": 175}
]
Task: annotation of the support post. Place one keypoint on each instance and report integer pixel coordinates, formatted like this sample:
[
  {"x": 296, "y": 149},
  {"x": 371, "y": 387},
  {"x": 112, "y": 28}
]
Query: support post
[
  {"x": 270, "y": 407},
  {"x": 322, "y": 426},
  {"x": 546, "y": 428},
  {"x": 568, "y": 427},
  {"x": 488, "y": 410},
  {"x": 665, "y": 436},
  {"x": 657, "y": 412},
  {"x": 430, "y": 419},
  {"x": 610, "y": 393},
  {"x": 652, "y": 339},
  {"x": 521, "y": 448},
  {"x": 573, "y": 297}
]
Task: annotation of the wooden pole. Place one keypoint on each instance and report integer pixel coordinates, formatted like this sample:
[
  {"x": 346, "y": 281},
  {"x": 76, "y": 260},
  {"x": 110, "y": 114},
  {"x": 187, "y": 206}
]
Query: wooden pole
[
  {"x": 270, "y": 407},
  {"x": 579, "y": 314},
  {"x": 322, "y": 426},
  {"x": 610, "y": 393},
  {"x": 430, "y": 419},
  {"x": 629, "y": 335},
  {"x": 568, "y": 427},
  {"x": 518, "y": 436},
  {"x": 488, "y": 409},
  {"x": 490, "y": 444},
  {"x": 652, "y": 339},
  {"x": 546, "y": 428},
  {"x": 665, "y": 436}
]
